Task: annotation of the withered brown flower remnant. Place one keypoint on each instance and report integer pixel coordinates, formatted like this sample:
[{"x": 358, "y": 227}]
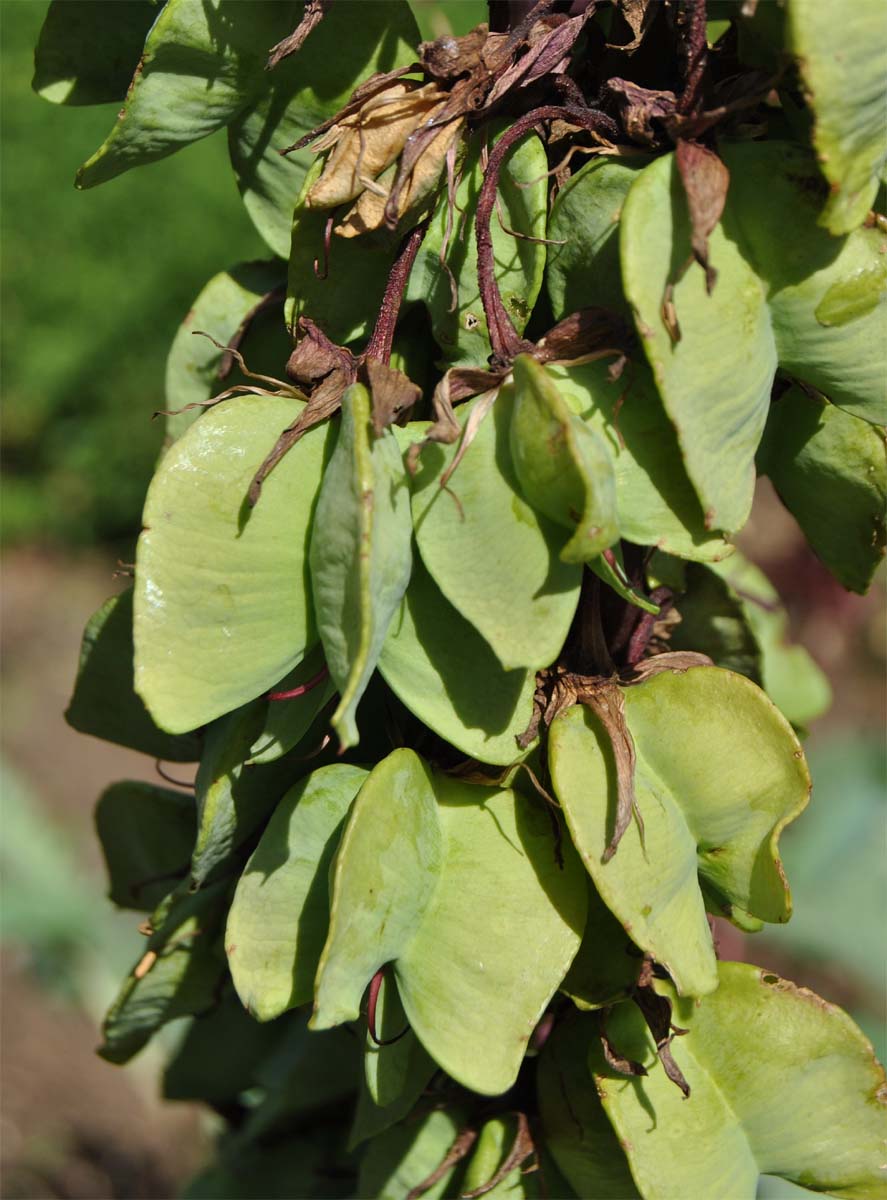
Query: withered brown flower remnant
[{"x": 364, "y": 147}]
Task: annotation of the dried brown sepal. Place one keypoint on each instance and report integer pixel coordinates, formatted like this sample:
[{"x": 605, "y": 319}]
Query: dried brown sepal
[
  {"x": 585, "y": 335},
  {"x": 445, "y": 428},
  {"x": 705, "y": 179},
  {"x": 642, "y": 111},
  {"x": 615, "y": 1060},
  {"x": 325, "y": 400},
  {"x": 606, "y": 702},
  {"x": 331, "y": 369},
  {"x": 638, "y": 15},
  {"x": 522, "y": 1148},
  {"x": 315, "y": 356},
  {"x": 315, "y": 11},
  {"x": 482, "y": 406},
  {"x": 392, "y": 392},
  {"x": 460, "y": 1147},
  {"x": 549, "y": 48},
  {"x": 451, "y": 57},
  {"x": 668, "y": 311},
  {"x": 656, "y": 1011},
  {"x": 676, "y": 661}
]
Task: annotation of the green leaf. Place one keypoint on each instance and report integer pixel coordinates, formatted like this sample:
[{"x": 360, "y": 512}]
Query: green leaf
[
  {"x": 198, "y": 1071},
  {"x": 178, "y": 974},
  {"x": 830, "y": 470},
  {"x": 340, "y": 291},
  {"x": 577, "y": 1133},
  {"x": 399, "y": 1066},
  {"x": 222, "y": 600},
  {"x": 147, "y": 835},
  {"x": 298, "y": 1165},
  {"x": 843, "y": 62},
  {"x": 827, "y": 296},
  {"x": 787, "y": 294},
  {"x": 203, "y": 64},
  {"x": 88, "y": 50},
  {"x": 719, "y": 773},
  {"x": 562, "y": 464},
  {"x": 447, "y": 675},
  {"x": 105, "y": 703},
  {"x": 655, "y": 500},
  {"x": 302, "y": 92},
  {"x": 419, "y": 858},
  {"x": 193, "y": 362},
  {"x": 280, "y": 913},
  {"x": 234, "y": 796},
  {"x": 375, "y": 907},
  {"x": 613, "y": 575},
  {"x": 607, "y": 964},
  {"x": 781, "y": 1083},
  {"x": 726, "y": 352},
  {"x": 405, "y": 1156},
  {"x": 789, "y": 675},
  {"x": 493, "y": 557},
  {"x": 370, "y": 1119},
  {"x": 584, "y": 270},
  {"x": 446, "y": 265},
  {"x": 489, "y": 1156},
  {"x": 361, "y": 553},
  {"x": 288, "y": 721},
  {"x": 714, "y": 622},
  {"x": 307, "y": 1073}
]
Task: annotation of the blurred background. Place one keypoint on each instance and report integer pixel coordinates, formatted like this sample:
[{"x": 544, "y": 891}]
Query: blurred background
[{"x": 94, "y": 286}]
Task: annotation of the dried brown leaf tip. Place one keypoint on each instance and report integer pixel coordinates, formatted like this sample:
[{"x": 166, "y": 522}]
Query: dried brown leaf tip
[
  {"x": 656, "y": 1011},
  {"x": 705, "y": 180}
]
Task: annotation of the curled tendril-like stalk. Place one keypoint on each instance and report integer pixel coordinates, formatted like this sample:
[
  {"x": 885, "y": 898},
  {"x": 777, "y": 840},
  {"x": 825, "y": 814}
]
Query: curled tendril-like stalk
[{"x": 504, "y": 338}]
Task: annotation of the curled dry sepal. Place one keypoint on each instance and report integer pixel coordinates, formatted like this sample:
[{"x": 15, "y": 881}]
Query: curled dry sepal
[{"x": 441, "y": 594}]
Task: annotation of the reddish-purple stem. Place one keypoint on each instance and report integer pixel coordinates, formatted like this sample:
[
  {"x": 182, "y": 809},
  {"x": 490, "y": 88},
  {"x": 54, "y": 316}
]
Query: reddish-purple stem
[
  {"x": 379, "y": 345},
  {"x": 372, "y": 1002},
  {"x": 303, "y": 688},
  {"x": 643, "y": 631},
  {"x": 697, "y": 56},
  {"x": 504, "y": 338}
]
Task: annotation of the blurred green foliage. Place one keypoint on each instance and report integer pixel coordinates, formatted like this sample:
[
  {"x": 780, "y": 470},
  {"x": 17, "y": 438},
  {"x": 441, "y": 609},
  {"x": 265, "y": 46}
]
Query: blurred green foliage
[{"x": 94, "y": 286}]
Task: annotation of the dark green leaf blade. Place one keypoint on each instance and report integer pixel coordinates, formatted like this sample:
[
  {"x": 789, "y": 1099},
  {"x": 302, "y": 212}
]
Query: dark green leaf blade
[
  {"x": 88, "y": 50},
  {"x": 445, "y": 673},
  {"x": 493, "y": 557},
  {"x": 842, "y": 56},
  {"x": 193, "y": 363},
  {"x": 147, "y": 835},
  {"x": 563, "y": 466},
  {"x": 279, "y": 916},
  {"x": 203, "y": 64},
  {"x": 105, "y": 703},
  {"x": 830, "y": 470},
  {"x": 178, "y": 975}
]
